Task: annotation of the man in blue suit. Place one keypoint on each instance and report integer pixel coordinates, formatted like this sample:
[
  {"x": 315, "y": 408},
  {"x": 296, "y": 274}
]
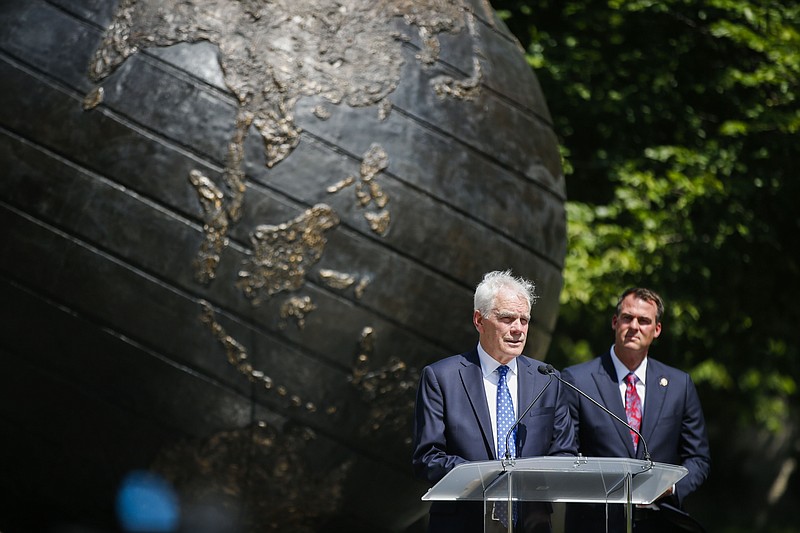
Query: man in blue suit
[
  {"x": 661, "y": 400},
  {"x": 456, "y": 415}
]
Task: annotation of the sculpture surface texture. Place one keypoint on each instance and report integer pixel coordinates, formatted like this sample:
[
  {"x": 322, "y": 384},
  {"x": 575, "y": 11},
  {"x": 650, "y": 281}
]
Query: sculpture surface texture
[{"x": 233, "y": 231}]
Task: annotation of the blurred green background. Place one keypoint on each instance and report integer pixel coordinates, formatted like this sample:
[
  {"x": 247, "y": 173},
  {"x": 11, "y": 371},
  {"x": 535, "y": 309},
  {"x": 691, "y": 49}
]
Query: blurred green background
[{"x": 678, "y": 125}]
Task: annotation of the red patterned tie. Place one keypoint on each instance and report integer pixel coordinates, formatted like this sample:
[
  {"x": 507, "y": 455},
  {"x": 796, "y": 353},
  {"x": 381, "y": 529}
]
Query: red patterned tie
[{"x": 633, "y": 407}]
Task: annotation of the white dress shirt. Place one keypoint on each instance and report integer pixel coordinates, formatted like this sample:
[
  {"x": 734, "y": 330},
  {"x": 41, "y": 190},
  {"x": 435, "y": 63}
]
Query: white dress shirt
[
  {"x": 622, "y": 371},
  {"x": 490, "y": 378}
]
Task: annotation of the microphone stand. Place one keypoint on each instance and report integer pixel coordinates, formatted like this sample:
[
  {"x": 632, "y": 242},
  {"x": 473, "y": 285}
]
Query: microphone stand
[
  {"x": 550, "y": 370},
  {"x": 507, "y": 458}
]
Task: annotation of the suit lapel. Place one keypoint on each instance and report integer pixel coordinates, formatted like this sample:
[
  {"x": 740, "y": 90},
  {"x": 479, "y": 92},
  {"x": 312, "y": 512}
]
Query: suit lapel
[
  {"x": 472, "y": 379},
  {"x": 529, "y": 384},
  {"x": 655, "y": 392},
  {"x": 608, "y": 385}
]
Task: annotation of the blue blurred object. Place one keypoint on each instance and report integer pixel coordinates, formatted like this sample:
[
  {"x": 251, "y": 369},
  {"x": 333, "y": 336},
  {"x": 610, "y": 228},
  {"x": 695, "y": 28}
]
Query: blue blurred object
[{"x": 147, "y": 502}]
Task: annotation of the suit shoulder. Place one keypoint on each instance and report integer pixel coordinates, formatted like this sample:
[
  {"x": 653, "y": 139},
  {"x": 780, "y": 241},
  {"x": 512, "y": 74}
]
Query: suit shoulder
[
  {"x": 665, "y": 374},
  {"x": 450, "y": 362},
  {"x": 666, "y": 370},
  {"x": 582, "y": 368}
]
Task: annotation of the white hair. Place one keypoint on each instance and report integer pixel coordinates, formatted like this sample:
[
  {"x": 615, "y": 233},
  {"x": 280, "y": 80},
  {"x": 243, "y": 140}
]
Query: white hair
[{"x": 497, "y": 281}]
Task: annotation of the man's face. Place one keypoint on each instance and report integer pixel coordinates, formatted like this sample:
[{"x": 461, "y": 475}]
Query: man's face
[
  {"x": 635, "y": 327},
  {"x": 504, "y": 332}
]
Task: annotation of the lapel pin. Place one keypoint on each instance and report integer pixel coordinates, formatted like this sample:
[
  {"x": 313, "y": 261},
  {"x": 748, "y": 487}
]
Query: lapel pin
[{"x": 664, "y": 382}]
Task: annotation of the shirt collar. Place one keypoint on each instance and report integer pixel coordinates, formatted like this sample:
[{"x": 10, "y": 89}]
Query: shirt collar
[
  {"x": 622, "y": 370},
  {"x": 489, "y": 364}
]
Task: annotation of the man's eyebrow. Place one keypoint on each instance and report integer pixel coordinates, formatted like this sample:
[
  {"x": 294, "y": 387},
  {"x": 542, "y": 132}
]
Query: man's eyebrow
[
  {"x": 639, "y": 317},
  {"x": 507, "y": 314}
]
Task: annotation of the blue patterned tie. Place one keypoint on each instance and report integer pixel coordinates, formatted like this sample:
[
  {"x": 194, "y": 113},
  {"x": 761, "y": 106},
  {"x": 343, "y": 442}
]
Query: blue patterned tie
[
  {"x": 505, "y": 420},
  {"x": 505, "y": 416}
]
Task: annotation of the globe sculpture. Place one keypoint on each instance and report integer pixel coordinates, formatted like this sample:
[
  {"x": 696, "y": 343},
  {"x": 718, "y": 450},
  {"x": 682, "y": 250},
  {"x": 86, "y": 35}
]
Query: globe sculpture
[{"x": 234, "y": 231}]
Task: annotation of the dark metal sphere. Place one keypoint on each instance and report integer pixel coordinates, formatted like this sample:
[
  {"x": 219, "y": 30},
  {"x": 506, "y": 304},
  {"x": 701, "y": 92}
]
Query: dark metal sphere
[{"x": 233, "y": 231}]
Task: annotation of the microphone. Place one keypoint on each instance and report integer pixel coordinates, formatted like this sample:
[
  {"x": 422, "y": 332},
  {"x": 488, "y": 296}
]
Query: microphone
[
  {"x": 542, "y": 370},
  {"x": 552, "y": 371}
]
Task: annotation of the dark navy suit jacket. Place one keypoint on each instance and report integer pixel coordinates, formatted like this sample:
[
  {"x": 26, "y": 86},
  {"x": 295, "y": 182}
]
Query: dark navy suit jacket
[
  {"x": 672, "y": 423},
  {"x": 452, "y": 426}
]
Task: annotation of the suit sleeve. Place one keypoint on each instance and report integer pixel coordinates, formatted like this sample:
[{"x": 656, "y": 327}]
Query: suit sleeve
[
  {"x": 694, "y": 448},
  {"x": 571, "y": 401},
  {"x": 564, "y": 433},
  {"x": 430, "y": 459}
]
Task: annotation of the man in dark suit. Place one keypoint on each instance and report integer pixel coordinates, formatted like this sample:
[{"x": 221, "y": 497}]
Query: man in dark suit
[
  {"x": 659, "y": 400},
  {"x": 457, "y": 415}
]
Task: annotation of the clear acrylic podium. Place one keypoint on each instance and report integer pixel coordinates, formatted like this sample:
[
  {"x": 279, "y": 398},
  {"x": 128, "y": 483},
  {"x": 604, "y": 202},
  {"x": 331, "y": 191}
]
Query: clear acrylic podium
[{"x": 579, "y": 479}]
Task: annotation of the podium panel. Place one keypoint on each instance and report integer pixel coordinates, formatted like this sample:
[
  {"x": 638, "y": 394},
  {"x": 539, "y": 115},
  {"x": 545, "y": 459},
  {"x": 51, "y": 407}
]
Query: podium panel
[
  {"x": 558, "y": 479},
  {"x": 505, "y": 484}
]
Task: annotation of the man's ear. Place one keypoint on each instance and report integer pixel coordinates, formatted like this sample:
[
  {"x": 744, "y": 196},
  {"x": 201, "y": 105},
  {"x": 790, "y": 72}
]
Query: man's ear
[
  {"x": 657, "y": 331},
  {"x": 477, "y": 320}
]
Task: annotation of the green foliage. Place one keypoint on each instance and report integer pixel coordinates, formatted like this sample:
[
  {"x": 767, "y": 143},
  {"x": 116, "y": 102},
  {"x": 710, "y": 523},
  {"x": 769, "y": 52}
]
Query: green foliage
[{"x": 678, "y": 121}]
